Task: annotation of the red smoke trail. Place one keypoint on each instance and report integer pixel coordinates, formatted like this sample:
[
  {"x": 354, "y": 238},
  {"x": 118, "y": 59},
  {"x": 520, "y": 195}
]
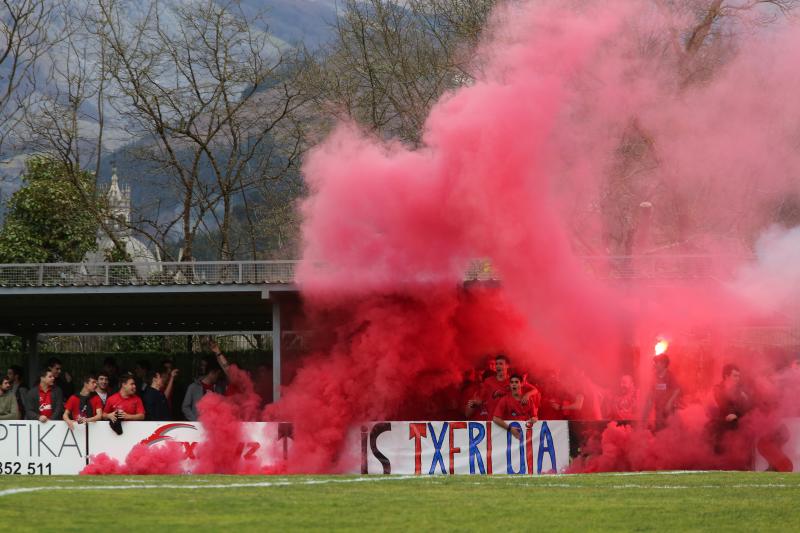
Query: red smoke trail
[
  {"x": 515, "y": 167},
  {"x": 222, "y": 450},
  {"x": 164, "y": 459}
]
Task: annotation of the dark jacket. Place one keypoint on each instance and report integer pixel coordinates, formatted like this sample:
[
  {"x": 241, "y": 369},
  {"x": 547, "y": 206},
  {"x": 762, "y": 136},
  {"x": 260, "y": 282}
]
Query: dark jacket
[
  {"x": 155, "y": 405},
  {"x": 32, "y": 403}
]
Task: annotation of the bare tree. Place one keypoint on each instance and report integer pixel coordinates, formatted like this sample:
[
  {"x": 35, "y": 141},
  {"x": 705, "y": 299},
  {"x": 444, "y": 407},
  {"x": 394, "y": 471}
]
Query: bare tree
[
  {"x": 24, "y": 27},
  {"x": 67, "y": 118},
  {"x": 390, "y": 61},
  {"x": 213, "y": 100},
  {"x": 693, "y": 54}
]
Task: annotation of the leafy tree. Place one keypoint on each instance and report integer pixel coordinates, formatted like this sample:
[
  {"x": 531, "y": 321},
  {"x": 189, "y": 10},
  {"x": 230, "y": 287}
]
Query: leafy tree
[{"x": 47, "y": 220}]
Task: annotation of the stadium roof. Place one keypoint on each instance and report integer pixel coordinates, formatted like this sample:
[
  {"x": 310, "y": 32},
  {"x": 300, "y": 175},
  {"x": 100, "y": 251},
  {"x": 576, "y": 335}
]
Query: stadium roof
[
  {"x": 138, "y": 310},
  {"x": 103, "y": 298}
]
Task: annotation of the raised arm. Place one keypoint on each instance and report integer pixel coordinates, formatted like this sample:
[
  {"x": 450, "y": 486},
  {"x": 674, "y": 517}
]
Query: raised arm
[
  {"x": 221, "y": 359},
  {"x": 168, "y": 389}
]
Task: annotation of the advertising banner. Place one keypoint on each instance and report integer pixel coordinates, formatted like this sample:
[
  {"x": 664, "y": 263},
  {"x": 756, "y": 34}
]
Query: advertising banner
[
  {"x": 421, "y": 448},
  {"x": 779, "y": 450},
  {"x": 264, "y": 443},
  {"x": 30, "y": 447},
  {"x": 452, "y": 448}
]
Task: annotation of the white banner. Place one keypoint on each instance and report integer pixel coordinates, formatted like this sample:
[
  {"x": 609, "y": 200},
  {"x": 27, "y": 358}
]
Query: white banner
[
  {"x": 264, "y": 443},
  {"x": 30, "y": 447},
  {"x": 779, "y": 450},
  {"x": 448, "y": 448},
  {"x": 422, "y": 448}
]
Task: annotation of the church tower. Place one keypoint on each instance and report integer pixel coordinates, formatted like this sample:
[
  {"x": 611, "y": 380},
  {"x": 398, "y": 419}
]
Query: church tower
[{"x": 119, "y": 205}]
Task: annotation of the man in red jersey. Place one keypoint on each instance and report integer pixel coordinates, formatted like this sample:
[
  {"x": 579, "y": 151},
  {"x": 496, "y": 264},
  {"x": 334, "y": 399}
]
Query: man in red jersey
[
  {"x": 124, "y": 405},
  {"x": 497, "y": 386},
  {"x": 45, "y": 402},
  {"x": 510, "y": 407},
  {"x": 474, "y": 409},
  {"x": 85, "y": 406}
]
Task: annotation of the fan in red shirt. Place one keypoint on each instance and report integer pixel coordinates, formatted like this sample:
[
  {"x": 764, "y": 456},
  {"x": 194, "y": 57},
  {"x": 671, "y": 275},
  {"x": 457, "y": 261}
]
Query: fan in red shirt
[
  {"x": 124, "y": 405},
  {"x": 85, "y": 406},
  {"x": 511, "y": 407},
  {"x": 497, "y": 386},
  {"x": 474, "y": 409},
  {"x": 560, "y": 402},
  {"x": 44, "y": 402}
]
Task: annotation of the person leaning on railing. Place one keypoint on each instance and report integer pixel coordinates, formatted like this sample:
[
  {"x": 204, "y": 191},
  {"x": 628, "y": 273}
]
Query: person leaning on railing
[
  {"x": 86, "y": 406},
  {"x": 124, "y": 405}
]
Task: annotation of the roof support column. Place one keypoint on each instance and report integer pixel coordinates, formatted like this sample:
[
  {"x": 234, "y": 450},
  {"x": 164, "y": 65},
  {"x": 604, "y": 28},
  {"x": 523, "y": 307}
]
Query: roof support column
[
  {"x": 30, "y": 344},
  {"x": 276, "y": 349}
]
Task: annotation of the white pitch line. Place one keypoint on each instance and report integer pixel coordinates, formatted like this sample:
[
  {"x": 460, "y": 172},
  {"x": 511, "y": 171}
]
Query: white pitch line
[
  {"x": 262, "y": 484},
  {"x": 532, "y": 483}
]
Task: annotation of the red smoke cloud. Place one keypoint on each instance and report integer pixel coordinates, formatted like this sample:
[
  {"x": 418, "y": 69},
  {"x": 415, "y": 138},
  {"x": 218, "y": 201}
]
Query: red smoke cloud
[
  {"x": 595, "y": 131},
  {"x": 164, "y": 459},
  {"x": 527, "y": 166},
  {"x": 222, "y": 450}
]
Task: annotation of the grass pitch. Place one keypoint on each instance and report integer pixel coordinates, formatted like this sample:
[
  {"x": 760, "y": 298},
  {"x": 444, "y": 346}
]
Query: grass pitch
[{"x": 661, "y": 501}]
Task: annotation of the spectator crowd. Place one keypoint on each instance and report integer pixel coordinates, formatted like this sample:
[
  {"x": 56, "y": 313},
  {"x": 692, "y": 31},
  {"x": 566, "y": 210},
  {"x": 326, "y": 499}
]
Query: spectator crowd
[
  {"x": 501, "y": 393},
  {"x": 498, "y": 392},
  {"x": 109, "y": 394}
]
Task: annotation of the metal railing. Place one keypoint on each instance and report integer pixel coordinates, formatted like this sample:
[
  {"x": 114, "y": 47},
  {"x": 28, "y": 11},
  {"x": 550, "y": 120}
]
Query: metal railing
[
  {"x": 258, "y": 272},
  {"x": 644, "y": 267},
  {"x": 664, "y": 267},
  {"x": 128, "y": 274}
]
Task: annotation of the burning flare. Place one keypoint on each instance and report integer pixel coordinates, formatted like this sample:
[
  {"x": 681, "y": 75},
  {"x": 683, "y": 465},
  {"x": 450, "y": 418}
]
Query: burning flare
[{"x": 660, "y": 347}]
